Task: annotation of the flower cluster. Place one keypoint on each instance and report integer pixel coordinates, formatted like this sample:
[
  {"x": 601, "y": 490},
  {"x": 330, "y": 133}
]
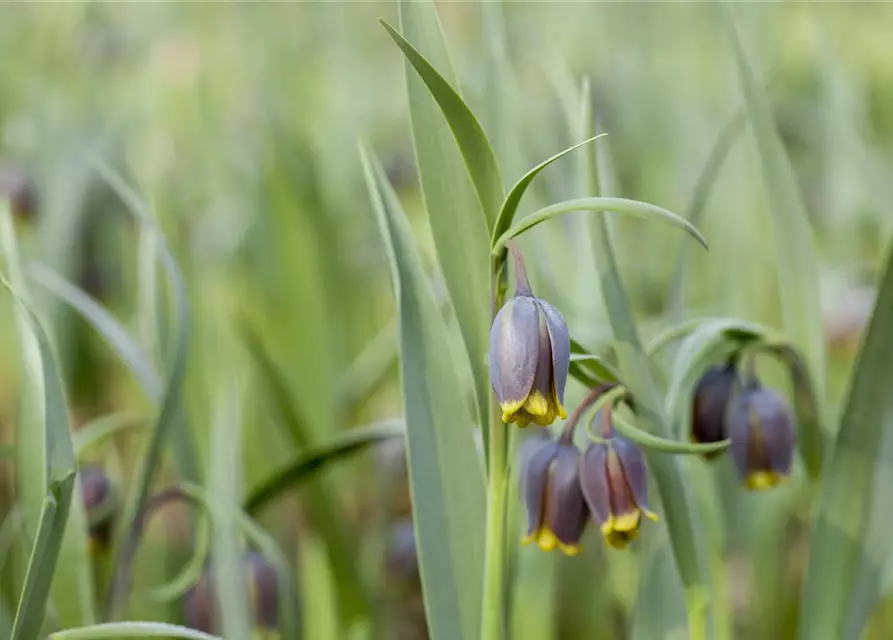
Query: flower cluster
[
  {"x": 757, "y": 420},
  {"x": 564, "y": 488}
]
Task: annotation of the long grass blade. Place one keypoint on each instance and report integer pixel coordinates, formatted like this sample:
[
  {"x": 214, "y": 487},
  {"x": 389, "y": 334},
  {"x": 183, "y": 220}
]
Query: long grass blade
[
  {"x": 473, "y": 143},
  {"x": 168, "y": 417},
  {"x": 48, "y": 465},
  {"x": 120, "y": 630},
  {"x": 459, "y": 221},
  {"x": 599, "y": 205},
  {"x": 306, "y": 463},
  {"x": 797, "y": 267},
  {"x": 848, "y": 487},
  {"x": 445, "y": 472}
]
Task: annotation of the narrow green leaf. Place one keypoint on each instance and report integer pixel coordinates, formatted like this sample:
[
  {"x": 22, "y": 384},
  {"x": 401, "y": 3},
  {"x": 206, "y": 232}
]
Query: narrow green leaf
[
  {"x": 48, "y": 465},
  {"x": 445, "y": 472},
  {"x": 324, "y": 507},
  {"x": 664, "y": 445},
  {"x": 309, "y": 462},
  {"x": 591, "y": 370},
  {"x": 95, "y": 433},
  {"x": 105, "y": 324},
  {"x": 460, "y": 224},
  {"x": 700, "y": 195},
  {"x": 598, "y": 205},
  {"x": 472, "y": 141},
  {"x": 49, "y": 542},
  {"x": 797, "y": 267},
  {"x": 224, "y": 476},
  {"x": 169, "y": 411},
  {"x": 513, "y": 199},
  {"x": 118, "y": 630},
  {"x": 848, "y": 487}
]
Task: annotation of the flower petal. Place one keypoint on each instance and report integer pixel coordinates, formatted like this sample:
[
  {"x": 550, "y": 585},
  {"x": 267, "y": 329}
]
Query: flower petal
[
  {"x": 567, "y": 514},
  {"x": 594, "y": 482},
  {"x": 560, "y": 341},
  {"x": 514, "y": 339},
  {"x": 535, "y": 479},
  {"x": 777, "y": 426},
  {"x": 632, "y": 461}
]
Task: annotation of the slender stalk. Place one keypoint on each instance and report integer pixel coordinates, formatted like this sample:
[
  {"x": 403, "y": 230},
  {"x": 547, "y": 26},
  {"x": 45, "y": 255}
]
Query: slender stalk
[{"x": 492, "y": 616}]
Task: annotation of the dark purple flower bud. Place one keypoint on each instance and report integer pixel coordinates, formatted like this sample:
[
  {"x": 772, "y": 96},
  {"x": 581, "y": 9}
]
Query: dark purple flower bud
[
  {"x": 100, "y": 504},
  {"x": 199, "y": 606},
  {"x": 761, "y": 427},
  {"x": 711, "y": 400},
  {"x": 614, "y": 482},
  {"x": 556, "y": 511},
  {"x": 529, "y": 360},
  {"x": 18, "y": 188}
]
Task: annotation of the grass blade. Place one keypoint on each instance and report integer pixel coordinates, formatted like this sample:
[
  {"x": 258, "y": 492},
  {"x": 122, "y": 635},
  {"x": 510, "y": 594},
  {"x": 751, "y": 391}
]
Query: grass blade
[
  {"x": 701, "y": 194},
  {"x": 445, "y": 472},
  {"x": 308, "y": 462},
  {"x": 476, "y": 150},
  {"x": 169, "y": 410},
  {"x": 797, "y": 267},
  {"x": 848, "y": 486},
  {"x": 225, "y": 470},
  {"x": 513, "y": 199},
  {"x": 598, "y": 205},
  {"x": 97, "y": 432},
  {"x": 458, "y": 222},
  {"x": 324, "y": 507},
  {"x": 105, "y": 324},
  {"x": 116, "y": 630},
  {"x": 47, "y": 468}
]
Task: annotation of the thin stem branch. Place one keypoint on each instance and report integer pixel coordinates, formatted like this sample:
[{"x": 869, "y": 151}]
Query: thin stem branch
[
  {"x": 522, "y": 284},
  {"x": 567, "y": 435},
  {"x": 492, "y": 615}
]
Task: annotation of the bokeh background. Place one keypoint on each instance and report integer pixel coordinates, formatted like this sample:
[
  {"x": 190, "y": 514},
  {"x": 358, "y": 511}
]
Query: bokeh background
[{"x": 239, "y": 124}]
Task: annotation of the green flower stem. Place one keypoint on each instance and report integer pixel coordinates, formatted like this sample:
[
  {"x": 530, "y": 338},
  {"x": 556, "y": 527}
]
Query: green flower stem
[
  {"x": 492, "y": 615},
  {"x": 494, "y": 564}
]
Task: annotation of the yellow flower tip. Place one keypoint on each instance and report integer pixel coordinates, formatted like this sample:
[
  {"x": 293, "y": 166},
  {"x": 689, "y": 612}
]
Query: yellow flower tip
[
  {"x": 650, "y": 515},
  {"x": 562, "y": 413},
  {"x": 510, "y": 410},
  {"x": 626, "y": 522},
  {"x": 547, "y": 541},
  {"x": 537, "y": 405},
  {"x": 761, "y": 480},
  {"x": 569, "y": 549},
  {"x": 619, "y": 539},
  {"x": 530, "y": 537}
]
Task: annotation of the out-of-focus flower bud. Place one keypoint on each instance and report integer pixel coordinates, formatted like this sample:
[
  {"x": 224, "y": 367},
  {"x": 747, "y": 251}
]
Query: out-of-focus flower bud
[
  {"x": 199, "y": 606},
  {"x": 614, "y": 482},
  {"x": 100, "y": 504},
  {"x": 18, "y": 188},
  {"x": 761, "y": 427},
  {"x": 529, "y": 360},
  {"x": 556, "y": 511},
  {"x": 711, "y": 401}
]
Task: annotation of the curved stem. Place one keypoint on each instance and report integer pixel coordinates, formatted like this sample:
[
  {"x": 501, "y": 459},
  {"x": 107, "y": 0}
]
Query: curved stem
[
  {"x": 567, "y": 435},
  {"x": 492, "y": 615}
]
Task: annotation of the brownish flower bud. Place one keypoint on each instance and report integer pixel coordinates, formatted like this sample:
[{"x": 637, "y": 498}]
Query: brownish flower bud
[{"x": 761, "y": 426}]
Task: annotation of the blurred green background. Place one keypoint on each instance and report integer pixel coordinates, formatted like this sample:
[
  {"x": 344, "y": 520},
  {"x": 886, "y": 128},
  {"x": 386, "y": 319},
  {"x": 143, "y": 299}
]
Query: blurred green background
[{"x": 239, "y": 123}]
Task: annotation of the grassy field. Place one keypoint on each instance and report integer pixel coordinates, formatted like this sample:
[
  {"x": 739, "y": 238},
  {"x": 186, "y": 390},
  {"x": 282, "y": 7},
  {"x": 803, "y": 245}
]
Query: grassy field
[{"x": 252, "y": 253}]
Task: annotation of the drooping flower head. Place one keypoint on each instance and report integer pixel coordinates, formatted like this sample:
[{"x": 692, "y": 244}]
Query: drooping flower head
[
  {"x": 529, "y": 356},
  {"x": 711, "y": 401},
  {"x": 761, "y": 427},
  {"x": 614, "y": 482},
  {"x": 556, "y": 510},
  {"x": 100, "y": 504}
]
